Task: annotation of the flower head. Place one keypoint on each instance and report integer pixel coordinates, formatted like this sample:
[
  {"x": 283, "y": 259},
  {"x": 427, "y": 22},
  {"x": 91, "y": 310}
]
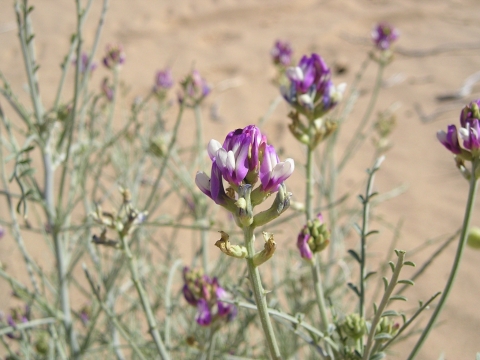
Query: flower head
[
  {"x": 163, "y": 80},
  {"x": 243, "y": 158},
  {"x": 383, "y": 35},
  {"x": 114, "y": 57},
  {"x": 195, "y": 88},
  {"x": 314, "y": 237},
  {"x": 282, "y": 53},
  {"x": 310, "y": 88},
  {"x": 468, "y": 132},
  {"x": 207, "y": 296}
]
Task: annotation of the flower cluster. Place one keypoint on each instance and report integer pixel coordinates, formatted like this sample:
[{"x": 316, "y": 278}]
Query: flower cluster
[
  {"x": 163, "y": 80},
  {"x": 206, "y": 294},
  {"x": 115, "y": 56},
  {"x": 311, "y": 90},
  {"x": 313, "y": 238},
  {"x": 281, "y": 53},
  {"x": 195, "y": 89},
  {"x": 242, "y": 160},
  {"x": 464, "y": 142},
  {"x": 383, "y": 35}
]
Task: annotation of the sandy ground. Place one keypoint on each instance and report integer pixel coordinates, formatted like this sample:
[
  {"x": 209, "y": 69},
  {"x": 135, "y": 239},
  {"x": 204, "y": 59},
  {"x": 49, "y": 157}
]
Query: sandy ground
[{"x": 230, "y": 40}]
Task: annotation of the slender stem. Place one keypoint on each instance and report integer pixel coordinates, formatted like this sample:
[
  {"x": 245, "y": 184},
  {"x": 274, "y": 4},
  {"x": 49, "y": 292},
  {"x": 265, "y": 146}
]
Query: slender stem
[
  {"x": 168, "y": 302},
  {"x": 112, "y": 317},
  {"x": 152, "y": 324},
  {"x": 259, "y": 294},
  {"x": 315, "y": 265},
  {"x": 364, "y": 233},
  {"x": 151, "y": 197},
  {"x": 211, "y": 344},
  {"x": 309, "y": 194},
  {"x": 383, "y": 304},
  {"x": 359, "y": 136},
  {"x": 317, "y": 281},
  {"x": 456, "y": 263}
]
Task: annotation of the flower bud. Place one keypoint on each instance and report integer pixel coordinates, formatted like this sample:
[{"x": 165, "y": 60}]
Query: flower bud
[
  {"x": 473, "y": 239},
  {"x": 353, "y": 326}
]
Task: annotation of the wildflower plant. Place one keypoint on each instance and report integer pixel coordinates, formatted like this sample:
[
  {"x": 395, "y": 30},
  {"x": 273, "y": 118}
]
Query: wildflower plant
[{"x": 128, "y": 227}]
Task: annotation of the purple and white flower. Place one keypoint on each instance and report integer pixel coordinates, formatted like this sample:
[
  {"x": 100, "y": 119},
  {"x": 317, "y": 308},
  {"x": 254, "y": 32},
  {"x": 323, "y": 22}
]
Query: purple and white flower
[
  {"x": 207, "y": 296},
  {"x": 311, "y": 87},
  {"x": 383, "y": 35},
  {"x": 115, "y": 56},
  {"x": 163, "y": 80},
  {"x": 243, "y": 158},
  {"x": 282, "y": 53},
  {"x": 468, "y": 132}
]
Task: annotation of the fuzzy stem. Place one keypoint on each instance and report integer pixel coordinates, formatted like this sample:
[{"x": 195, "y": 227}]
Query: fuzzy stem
[
  {"x": 152, "y": 324},
  {"x": 456, "y": 263},
  {"x": 259, "y": 293}
]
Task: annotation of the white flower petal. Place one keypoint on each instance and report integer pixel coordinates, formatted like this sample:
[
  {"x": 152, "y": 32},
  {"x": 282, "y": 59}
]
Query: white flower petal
[{"x": 213, "y": 147}]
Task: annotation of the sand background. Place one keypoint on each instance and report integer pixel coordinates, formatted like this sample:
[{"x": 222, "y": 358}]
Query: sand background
[{"x": 231, "y": 40}]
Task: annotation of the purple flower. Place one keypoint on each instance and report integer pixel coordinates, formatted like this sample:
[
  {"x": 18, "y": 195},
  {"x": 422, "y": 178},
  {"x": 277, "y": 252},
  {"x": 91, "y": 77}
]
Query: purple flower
[
  {"x": 450, "y": 139},
  {"x": 2, "y": 232},
  {"x": 84, "y": 64},
  {"x": 224, "y": 309},
  {"x": 383, "y": 35},
  {"x": 281, "y": 53},
  {"x": 115, "y": 56},
  {"x": 273, "y": 172},
  {"x": 163, "y": 80},
  {"x": 468, "y": 132},
  {"x": 195, "y": 88},
  {"x": 242, "y": 159},
  {"x": 206, "y": 294},
  {"x": 204, "y": 316},
  {"x": 302, "y": 245},
  {"x": 313, "y": 238},
  {"x": 311, "y": 87}
]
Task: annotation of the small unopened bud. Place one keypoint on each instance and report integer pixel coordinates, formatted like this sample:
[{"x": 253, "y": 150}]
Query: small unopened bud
[
  {"x": 387, "y": 326},
  {"x": 353, "y": 326},
  {"x": 244, "y": 205},
  {"x": 473, "y": 239},
  {"x": 268, "y": 251},
  {"x": 224, "y": 245}
]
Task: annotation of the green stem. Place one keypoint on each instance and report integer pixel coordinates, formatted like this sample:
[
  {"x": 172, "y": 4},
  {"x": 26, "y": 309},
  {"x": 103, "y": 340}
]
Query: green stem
[
  {"x": 383, "y": 304},
  {"x": 315, "y": 266},
  {"x": 259, "y": 293},
  {"x": 317, "y": 281},
  {"x": 161, "y": 172},
  {"x": 456, "y": 263},
  {"x": 211, "y": 344},
  {"x": 142, "y": 294},
  {"x": 309, "y": 185}
]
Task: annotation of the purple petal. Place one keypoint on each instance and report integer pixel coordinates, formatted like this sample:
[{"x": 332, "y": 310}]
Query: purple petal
[
  {"x": 449, "y": 139},
  {"x": 204, "y": 316},
  {"x": 188, "y": 295},
  {"x": 203, "y": 183},
  {"x": 302, "y": 245}
]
